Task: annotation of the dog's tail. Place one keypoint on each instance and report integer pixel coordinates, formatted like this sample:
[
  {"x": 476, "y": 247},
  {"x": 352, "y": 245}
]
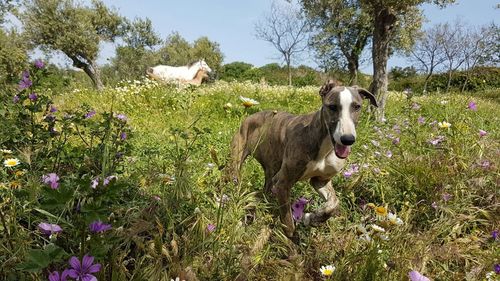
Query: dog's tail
[{"x": 239, "y": 152}]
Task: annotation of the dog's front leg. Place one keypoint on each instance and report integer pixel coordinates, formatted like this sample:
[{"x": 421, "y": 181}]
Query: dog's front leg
[{"x": 325, "y": 189}]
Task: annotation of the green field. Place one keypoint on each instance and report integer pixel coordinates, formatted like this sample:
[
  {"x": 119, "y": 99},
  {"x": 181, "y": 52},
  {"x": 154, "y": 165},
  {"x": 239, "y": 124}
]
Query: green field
[{"x": 442, "y": 182}]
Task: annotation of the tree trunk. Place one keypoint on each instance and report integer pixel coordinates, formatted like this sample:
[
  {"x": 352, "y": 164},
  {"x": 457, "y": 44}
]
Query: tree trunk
[
  {"x": 448, "y": 85},
  {"x": 384, "y": 21},
  {"x": 90, "y": 69},
  {"x": 289, "y": 73},
  {"x": 352, "y": 66}
]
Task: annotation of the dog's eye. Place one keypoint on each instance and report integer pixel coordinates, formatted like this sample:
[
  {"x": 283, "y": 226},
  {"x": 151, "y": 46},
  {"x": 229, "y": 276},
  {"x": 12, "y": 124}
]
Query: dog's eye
[
  {"x": 356, "y": 107},
  {"x": 333, "y": 107}
]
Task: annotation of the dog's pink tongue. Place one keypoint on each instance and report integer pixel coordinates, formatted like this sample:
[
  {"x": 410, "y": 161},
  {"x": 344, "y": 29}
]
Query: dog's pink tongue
[{"x": 342, "y": 151}]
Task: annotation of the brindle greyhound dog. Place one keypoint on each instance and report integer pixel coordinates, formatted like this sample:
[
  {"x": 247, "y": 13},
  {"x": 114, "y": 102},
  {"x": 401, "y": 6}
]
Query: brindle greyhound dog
[{"x": 291, "y": 148}]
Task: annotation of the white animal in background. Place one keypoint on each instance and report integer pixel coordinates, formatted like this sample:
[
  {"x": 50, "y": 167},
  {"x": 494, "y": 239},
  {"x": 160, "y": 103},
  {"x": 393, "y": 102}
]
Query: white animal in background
[{"x": 168, "y": 73}]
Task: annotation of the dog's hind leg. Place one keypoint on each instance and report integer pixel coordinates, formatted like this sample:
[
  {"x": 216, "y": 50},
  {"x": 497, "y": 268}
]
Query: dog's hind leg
[
  {"x": 325, "y": 189},
  {"x": 281, "y": 187}
]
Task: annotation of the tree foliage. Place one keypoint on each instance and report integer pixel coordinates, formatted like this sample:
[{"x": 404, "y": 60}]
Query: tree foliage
[
  {"x": 137, "y": 53},
  {"x": 74, "y": 29},
  {"x": 13, "y": 56},
  {"x": 178, "y": 51},
  {"x": 342, "y": 30}
]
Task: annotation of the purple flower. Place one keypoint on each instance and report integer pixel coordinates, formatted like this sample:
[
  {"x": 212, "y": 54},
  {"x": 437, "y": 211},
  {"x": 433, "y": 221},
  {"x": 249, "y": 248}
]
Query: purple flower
[
  {"x": 121, "y": 117},
  {"x": 415, "y": 106},
  {"x": 472, "y": 106},
  {"x": 421, "y": 120},
  {"x": 94, "y": 183},
  {"x": 388, "y": 154},
  {"x": 417, "y": 276},
  {"x": 89, "y": 114},
  {"x": 99, "y": 227},
  {"x": 485, "y": 164},
  {"x": 434, "y": 205},
  {"x": 353, "y": 169},
  {"x": 397, "y": 129},
  {"x": 437, "y": 140},
  {"x": 108, "y": 179},
  {"x": 433, "y": 123},
  {"x": 497, "y": 268},
  {"x": 25, "y": 81},
  {"x": 49, "y": 228},
  {"x": 210, "y": 227},
  {"x": 395, "y": 141},
  {"x": 53, "y": 109},
  {"x": 39, "y": 64},
  {"x": 446, "y": 197},
  {"x": 51, "y": 179},
  {"x": 298, "y": 208},
  {"x": 55, "y": 276},
  {"x": 123, "y": 136},
  {"x": 33, "y": 96},
  {"x": 494, "y": 234},
  {"x": 15, "y": 99},
  {"x": 83, "y": 271},
  {"x": 482, "y": 133}
]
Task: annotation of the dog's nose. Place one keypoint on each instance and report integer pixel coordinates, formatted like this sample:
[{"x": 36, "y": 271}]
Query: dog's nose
[{"x": 347, "y": 139}]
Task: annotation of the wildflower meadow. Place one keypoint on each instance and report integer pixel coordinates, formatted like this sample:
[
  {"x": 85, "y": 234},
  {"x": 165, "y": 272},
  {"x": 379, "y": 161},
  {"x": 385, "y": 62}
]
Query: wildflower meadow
[{"x": 127, "y": 184}]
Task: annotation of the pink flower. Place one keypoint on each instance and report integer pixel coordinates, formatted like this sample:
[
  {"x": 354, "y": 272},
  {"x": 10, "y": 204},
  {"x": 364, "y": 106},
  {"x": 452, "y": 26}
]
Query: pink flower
[
  {"x": 472, "y": 106},
  {"x": 417, "y": 276},
  {"x": 298, "y": 208},
  {"x": 482, "y": 133},
  {"x": 446, "y": 197},
  {"x": 51, "y": 179},
  {"x": 210, "y": 227}
]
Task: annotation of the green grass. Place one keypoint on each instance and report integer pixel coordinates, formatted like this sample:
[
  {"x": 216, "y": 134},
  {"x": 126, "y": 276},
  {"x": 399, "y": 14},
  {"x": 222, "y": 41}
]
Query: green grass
[{"x": 177, "y": 133}]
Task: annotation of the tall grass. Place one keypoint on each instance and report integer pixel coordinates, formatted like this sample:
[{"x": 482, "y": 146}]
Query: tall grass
[{"x": 446, "y": 193}]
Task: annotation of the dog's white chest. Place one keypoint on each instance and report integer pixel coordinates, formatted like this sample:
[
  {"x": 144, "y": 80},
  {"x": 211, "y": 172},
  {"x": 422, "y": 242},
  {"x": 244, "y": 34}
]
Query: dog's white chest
[{"x": 326, "y": 164}]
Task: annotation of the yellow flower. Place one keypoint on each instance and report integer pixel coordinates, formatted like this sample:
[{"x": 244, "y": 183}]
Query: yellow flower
[
  {"x": 381, "y": 211},
  {"x": 248, "y": 102},
  {"x": 327, "y": 270},
  {"x": 11, "y": 162},
  {"x": 15, "y": 184},
  {"x": 20, "y": 173},
  {"x": 444, "y": 125}
]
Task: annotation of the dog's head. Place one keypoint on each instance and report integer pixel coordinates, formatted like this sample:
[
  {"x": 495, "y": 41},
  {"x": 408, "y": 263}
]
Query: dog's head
[{"x": 340, "y": 113}]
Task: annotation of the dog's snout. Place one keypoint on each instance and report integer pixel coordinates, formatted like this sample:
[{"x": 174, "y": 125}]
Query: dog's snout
[{"x": 347, "y": 139}]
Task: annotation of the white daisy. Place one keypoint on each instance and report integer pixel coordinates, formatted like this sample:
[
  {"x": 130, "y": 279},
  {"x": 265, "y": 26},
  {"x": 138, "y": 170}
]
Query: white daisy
[{"x": 327, "y": 270}]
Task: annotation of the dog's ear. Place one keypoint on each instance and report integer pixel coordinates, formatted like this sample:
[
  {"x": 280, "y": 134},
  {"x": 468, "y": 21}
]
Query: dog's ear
[
  {"x": 327, "y": 87},
  {"x": 367, "y": 95}
]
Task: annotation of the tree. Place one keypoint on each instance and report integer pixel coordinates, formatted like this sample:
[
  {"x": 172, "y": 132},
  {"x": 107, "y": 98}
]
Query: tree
[
  {"x": 235, "y": 71},
  {"x": 74, "y": 29},
  {"x": 385, "y": 15},
  {"x": 343, "y": 30},
  {"x": 286, "y": 30},
  {"x": 428, "y": 53},
  {"x": 480, "y": 48},
  {"x": 452, "y": 43},
  {"x": 138, "y": 53},
  {"x": 13, "y": 56},
  {"x": 178, "y": 51}
]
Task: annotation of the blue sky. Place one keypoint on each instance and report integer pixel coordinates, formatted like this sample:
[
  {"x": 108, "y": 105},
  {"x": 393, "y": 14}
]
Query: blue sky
[{"x": 231, "y": 23}]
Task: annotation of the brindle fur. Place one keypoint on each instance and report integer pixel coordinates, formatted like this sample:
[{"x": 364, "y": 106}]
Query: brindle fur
[{"x": 284, "y": 144}]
